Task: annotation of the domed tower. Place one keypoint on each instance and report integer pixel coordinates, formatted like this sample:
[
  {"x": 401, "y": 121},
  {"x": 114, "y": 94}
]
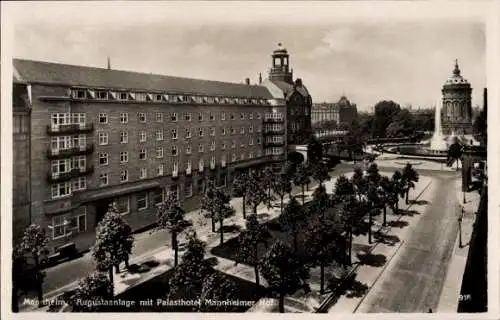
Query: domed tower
[
  {"x": 456, "y": 113},
  {"x": 280, "y": 70}
]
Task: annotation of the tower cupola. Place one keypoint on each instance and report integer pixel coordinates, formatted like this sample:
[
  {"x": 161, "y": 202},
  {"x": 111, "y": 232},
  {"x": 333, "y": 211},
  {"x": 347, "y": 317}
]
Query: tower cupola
[{"x": 280, "y": 70}]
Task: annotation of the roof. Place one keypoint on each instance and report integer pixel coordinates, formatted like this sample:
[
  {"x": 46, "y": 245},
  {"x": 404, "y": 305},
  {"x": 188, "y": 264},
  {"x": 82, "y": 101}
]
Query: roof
[
  {"x": 288, "y": 88},
  {"x": 70, "y": 75}
]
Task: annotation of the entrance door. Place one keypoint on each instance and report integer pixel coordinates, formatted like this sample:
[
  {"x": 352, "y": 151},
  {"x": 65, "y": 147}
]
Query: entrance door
[{"x": 101, "y": 207}]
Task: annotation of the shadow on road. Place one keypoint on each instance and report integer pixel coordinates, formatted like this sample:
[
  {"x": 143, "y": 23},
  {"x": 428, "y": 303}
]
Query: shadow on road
[
  {"x": 419, "y": 202},
  {"x": 387, "y": 239},
  {"x": 233, "y": 228},
  {"x": 409, "y": 213},
  {"x": 263, "y": 216},
  {"x": 374, "y": 260},
  {"x": 398, "y": 224}
]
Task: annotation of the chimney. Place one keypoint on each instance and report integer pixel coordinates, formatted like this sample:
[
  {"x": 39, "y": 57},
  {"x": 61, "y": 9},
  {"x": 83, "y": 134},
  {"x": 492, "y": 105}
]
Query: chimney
[
  {"x": 247, "y": 81},
  {"x": 109, "y": 63},
  {"x": 260, "y": 78}
]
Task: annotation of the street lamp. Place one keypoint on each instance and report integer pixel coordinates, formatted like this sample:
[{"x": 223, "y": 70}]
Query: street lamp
[{"x": 460, "y": 245}]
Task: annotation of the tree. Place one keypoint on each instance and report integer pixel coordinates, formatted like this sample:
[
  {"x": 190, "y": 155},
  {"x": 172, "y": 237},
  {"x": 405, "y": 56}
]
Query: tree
[
  {"x": 208, "y": 203},
  {"x": 268, "y": 177},
  {"x": 373, "y": 178},
  {"x": 256, "y": 193},
  {"x": 170, "y": 216},
  {"x": 301, "y": 178},
  {"x": 353, "y": 141},
  {"x": 292, "y": 218},
  {"x": 360, "y": 183},
  {"x": 385, "y": 111},
  {"x": 386, "y": 193},
  {"x": 401, "y": 125},
  {"x": 113, "y": 243},
  {"x": 250, "y": 239},
  {"x": 240, "y": 189},
  {"x": 34, "y": 243},
  {"x": 223, "y": 209},
  {"x": 188, "y": 277},
  {"x": 289, "y": 169},
  {"x": 216, "y": 287},
  {"x": 322, "y": 242},
  {"x": 352, "y": 213},
  {"x": 320, "y": 173},
  {"x": 94, "y": 287},
  {"x": 314, "y": 152},
  {"x": 283, "y": 271},
  {"x": 281, "y": 187},
  {"x": 410, "y": 176},
  {"x": 455, "y": 152},
  {"x": 481, "y": 126},
  {"x": 343, "y": 188},
  {"x": 397, "y": 190},
  {"x": 19, "y": 265}
]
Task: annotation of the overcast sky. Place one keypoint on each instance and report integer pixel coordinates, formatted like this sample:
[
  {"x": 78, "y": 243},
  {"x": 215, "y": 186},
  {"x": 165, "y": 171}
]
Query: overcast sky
[{"x": 368, "y": 61}]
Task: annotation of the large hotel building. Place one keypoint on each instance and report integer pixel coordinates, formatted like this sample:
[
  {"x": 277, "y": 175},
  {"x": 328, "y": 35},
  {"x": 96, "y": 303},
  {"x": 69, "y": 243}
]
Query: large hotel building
[{"x": 85, "y": 137}]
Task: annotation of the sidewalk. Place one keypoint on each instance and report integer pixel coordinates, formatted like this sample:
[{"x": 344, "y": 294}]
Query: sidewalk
[{"x": 450, "y": 295}]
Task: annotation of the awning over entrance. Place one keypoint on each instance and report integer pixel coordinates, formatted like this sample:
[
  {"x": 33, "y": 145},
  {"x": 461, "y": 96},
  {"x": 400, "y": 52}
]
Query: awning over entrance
[{"x": 120, "y": 190}]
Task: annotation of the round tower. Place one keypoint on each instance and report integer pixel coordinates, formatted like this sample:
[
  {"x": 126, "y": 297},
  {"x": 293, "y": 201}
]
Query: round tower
[
  {"x": 280, "y": 70},
  {"x": 456, "y": 114}
]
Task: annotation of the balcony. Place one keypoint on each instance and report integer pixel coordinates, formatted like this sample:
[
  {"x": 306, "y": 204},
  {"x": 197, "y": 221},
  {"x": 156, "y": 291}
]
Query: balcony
[
  {"x": 188, "y": 171},
  {"x": 201, "y": 168},
  {"x": 73, "y": 173},
  {"x": 274, "y": 132},
  {"x": 175, "y": 174},
  {"x": 274, "y": 120},
  {"x": 274, "y": 144},
  {"x": 212, "y": 166},
  {"x": 70, "y": 128},
  {"x": 76, "y": 151}
]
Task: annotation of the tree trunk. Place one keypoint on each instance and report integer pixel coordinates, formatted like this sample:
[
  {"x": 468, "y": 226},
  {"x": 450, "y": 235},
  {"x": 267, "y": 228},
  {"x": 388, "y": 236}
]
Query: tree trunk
[
  {"x": 126, "y": 263},
  {"x": 370, "y": 226},
  {"x": 406, "y": 196},
  {"x": 221, "y": 229},
  {"x": 322, "y": 285},
  {"x": 307, "y": 186},
  {"x": 174, "y": 247},
  {"x": 110, "y": 272},
  {"x": 385, "y": 216},
  {"x": 213, "y": 221},
  {"x": 117, "y": 268},
  {"x": 39, "y": 280},
  {"x": 255, "y": 209},
  {"x": 282, "y": 302},
  {"x": 397, "y": 207},
  {"x": 281, "y": 208},
  {"x": 350, "y": 246},
  {"x": 244, "y": 213},
  {"x": 303, "y": 195}
]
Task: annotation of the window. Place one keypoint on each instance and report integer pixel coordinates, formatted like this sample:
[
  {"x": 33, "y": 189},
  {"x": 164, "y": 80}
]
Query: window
[
  {"x": 188, "y": 149},
  {"x": 250, "y": 116},
  {"x": 250, "y": 155},
  {"x": 223, "y": 146},
  {"x": 212, "y": 131},
  {"x": 60, "y": 143},
  {"x": 242, "y": 145},
  {"x": 159, "y": 115},
  {"x": 233, "y": 157},
  {"x": 212, "y": 162},
  {"x": 124, "y": 176},
  {"x": 201, "y": 148},
  {"x": 158, "y": 97},
  {"x": 212, "y": 117},
  {"x": 79, "y": 141},
  {"x": 79, "y": 94},
  {"x": 223, "y": 130},
  {"x": 101, "y": 95},
  {"x": 159, "y": 170},
  {"x": 142, "y": 201},
  {"x": 144, "y": 173},
  {"x": 188, "y": 165},
  {"x": 250, "y": 142},
  {"x": 79, "y": 162},
  {"x": 124, "y": 137},
  {"x": 175, "y": 191},
  {"x": 200, "y": 132},
  {"x": 174, "y": 134},
  {"x": 61, "y": 190},
  {"x": 250, "y": 129},
  {"x": 79, "y": 184},
  {"x": 103, "y": 158},
  {"x": 123, "y": 117},
  {"x": 233, "y": 130},
  {"x": 201, "y": 164},
  {"x": 242, "y": 116},
  {"x": 159, "y": 135},
  {"x": 188, "y": 133},
  {"x": 103, "y": 138},
  {"x": 175, "y": 167},
  {"x": 259, "y": 140},
  {"x": 223, "y": 160},
  {"x": 157, "y": 197},
  {"x": 232, "y": 116},
  {"x": 201, "y": 186},
  {"x": 142, "y": 154},
  {"x": 103, "y": 179},
  {"x": 159, "y": 152},
  {"x": 259, "y": 116},
  {"x": 174, "y": 150},
  {"x": 242, "y": 130},
  {"x": 123, "y": 205},
  {"x": 122, "y": 96},
  {"x": 200, "y": 116},
  {"x": 242, "y": 156},
  {"x": 212, "y": 146},
  {"x": 187, "y": 116},
  {"x": 223, "y": 116},
  {"x": 142, "y": 117},
  {"x": 103, "y": 118},
  {"x": 143, "y": 136},
  {"x": 174, "y": 116},
  {"x": 188, "y": 189},
  {"x": 233, "y": 144},
  {"x": 60, "y": 166},
  {"x": 259, "y": 129}
]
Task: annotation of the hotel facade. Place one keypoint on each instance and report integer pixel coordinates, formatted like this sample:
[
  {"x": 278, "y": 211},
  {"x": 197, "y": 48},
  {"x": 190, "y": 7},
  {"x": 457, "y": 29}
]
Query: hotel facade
[{"x": 86, "y": 137}]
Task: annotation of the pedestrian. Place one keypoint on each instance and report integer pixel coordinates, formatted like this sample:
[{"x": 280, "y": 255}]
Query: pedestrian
[{"x": 430, "y": 310}]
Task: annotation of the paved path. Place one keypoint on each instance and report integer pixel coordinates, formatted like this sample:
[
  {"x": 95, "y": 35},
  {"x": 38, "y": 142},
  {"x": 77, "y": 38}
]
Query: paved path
[{"x": 413, "y": 281}]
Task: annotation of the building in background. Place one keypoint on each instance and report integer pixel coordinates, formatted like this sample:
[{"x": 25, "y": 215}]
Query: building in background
[
  {"x": 86, "y": 137},
  {"x": 334, "y": 115}
]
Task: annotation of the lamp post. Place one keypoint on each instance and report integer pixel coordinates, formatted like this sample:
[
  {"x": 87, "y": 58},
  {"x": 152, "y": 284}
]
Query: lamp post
[
  {"x": 464, "y": 200},
  {"x": 460, "y": 245}
]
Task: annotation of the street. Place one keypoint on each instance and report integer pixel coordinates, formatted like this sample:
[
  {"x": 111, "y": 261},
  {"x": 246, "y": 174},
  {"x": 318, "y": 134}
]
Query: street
[{"x": 414, "y": 280}]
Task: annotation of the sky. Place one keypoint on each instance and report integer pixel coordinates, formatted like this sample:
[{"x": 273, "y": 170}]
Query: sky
[{"x": 368, "y": 60}]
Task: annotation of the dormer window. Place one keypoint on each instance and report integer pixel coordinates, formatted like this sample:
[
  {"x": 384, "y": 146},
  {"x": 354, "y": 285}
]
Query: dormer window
[
  {"x": 79, "y": 94},
  {"x": 158, "y": 97},
  {"x": 140, "y": 96},
  {"x": 101, "y": 95},
  {"x": 205, "y": 99},
  {"x": 122, "y": 96},
  {"x": 113, "y": 95}
]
